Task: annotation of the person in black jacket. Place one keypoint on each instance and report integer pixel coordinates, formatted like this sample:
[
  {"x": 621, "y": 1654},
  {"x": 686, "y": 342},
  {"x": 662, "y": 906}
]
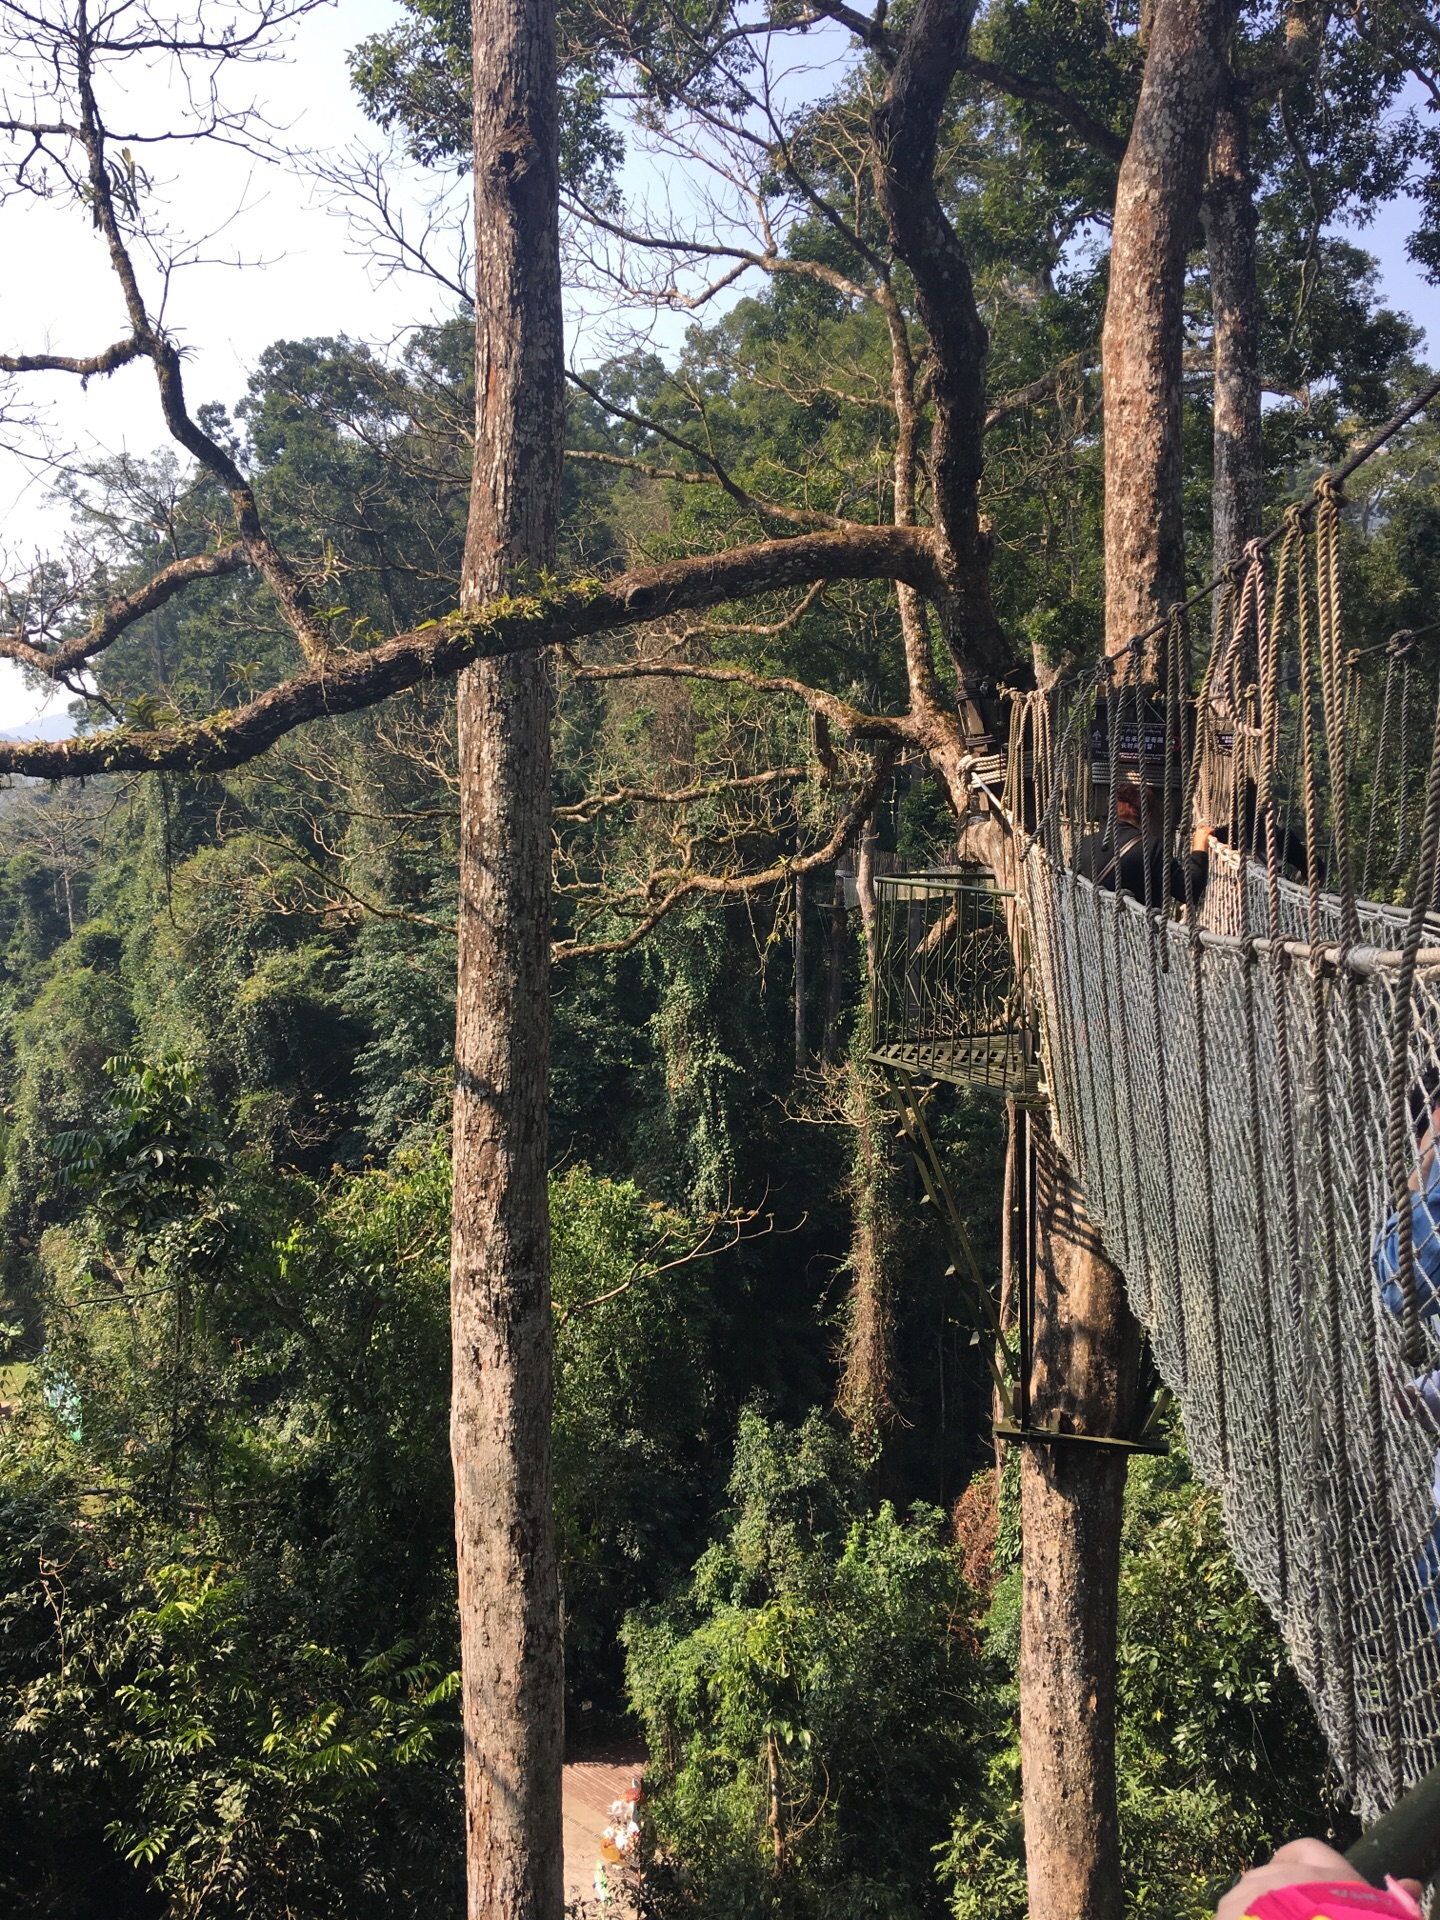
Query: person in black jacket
[{"x": 1133, "y": 861}]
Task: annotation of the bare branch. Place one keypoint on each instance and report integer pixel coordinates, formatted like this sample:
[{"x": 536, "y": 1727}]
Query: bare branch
[
  {"x": 758, "y": 630},
  {"x": 107, "y": 361},
  {"x": 852, "y": 721},
  {"x": 348, "y": 683},
  {"x": 704, "y": 1249},
  {"x": 738, "y": 886},
  {"x": 1023, "y": 398},
  {"x": 148, "y": 340},
  {"x": 121, "y": 613},
  {"x": 870, "y": 30},
  {"x": 583, "y": 812},
  {"x": 793, "y": 516},
  {"x": 1041, "y": 93}
]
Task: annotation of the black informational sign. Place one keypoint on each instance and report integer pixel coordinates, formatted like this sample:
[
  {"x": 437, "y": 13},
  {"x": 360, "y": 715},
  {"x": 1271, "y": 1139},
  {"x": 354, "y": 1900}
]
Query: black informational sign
[{"x": 1146, "y": 739}]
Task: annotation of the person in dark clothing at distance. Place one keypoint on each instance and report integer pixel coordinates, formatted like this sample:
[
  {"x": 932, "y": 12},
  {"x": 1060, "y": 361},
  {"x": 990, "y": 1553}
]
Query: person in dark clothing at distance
[{"x": 1134, "y": 862}]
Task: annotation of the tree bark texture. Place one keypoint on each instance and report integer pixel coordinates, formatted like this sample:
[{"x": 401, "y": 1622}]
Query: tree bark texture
[
  {"x": 1087, "y": 1341},
  {"x": 510, "y": 1637},
  {"x": 1084, "y": 1380},
  {"x": 866, "y": 1395},
  {"x": 1086, "y": 1346},
  {"x": 906, "y": 131},
  {"x": 1230, "y": 222},
  {"x": 1157, "y": 201}
]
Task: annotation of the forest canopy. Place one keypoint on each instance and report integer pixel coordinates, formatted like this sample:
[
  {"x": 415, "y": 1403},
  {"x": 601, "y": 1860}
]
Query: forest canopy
[{"x": 788, "y": 1558}]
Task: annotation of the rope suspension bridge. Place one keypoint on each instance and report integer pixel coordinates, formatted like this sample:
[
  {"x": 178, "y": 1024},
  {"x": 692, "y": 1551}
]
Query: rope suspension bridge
[{"x": 1223, "y": 902}]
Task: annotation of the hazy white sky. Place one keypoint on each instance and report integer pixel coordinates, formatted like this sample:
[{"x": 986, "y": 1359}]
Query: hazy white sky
[{"x": 302, "y": 276}]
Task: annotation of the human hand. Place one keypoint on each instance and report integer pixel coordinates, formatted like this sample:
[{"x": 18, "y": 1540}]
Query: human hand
[
  {"x": 1302, "y": 1863},
  {"x": 1417, "y": 1400}
]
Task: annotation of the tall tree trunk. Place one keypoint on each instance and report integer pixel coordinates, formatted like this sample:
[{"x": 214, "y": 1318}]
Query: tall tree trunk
[
  {"x": 799, "y": 947},
  {"x": 867, "y": 1362},
  {"x": 1157, "y": 201},
  {"x": 1230, "y": 222},
  {"x": 1012, "y": 1202},
  {"x": 500, "y": 1272},
  {"x": 865, "y": 1396},
  {"x": 1087, "y": 1348},
  {"x": 1087, "y": 1341}
]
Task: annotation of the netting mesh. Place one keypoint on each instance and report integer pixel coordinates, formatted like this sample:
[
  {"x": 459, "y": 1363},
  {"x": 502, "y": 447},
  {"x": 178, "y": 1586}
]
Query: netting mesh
[
  {"x": 1237, "y": 898},
  {"x": 1222, "y": 1102}
]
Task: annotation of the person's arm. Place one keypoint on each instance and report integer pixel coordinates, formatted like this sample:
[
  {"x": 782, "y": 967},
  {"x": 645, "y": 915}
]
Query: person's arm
[{"x": 1303, "y": 1863}]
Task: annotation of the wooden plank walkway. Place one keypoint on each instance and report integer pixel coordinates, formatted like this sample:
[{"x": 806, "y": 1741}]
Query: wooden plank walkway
[{"x": 591, "y": 1787}]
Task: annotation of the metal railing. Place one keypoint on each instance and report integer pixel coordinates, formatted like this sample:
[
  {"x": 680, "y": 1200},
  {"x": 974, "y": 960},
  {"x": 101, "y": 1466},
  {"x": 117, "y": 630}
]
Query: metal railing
[{"x": 948, "y": 1002}]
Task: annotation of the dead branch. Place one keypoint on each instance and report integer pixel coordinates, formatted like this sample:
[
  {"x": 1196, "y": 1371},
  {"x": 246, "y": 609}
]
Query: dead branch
[
  {"x": 585, "y": 811},
  {"x": 722, "y": 887},
  {"x": 121, "y": 612},
  {"x": 706, "y": 1248},
  {"x": 796, "y": 516},
  {"x": 850, "y": 720}
]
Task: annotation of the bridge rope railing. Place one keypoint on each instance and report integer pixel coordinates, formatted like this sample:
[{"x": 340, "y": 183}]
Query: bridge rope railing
[{"x": 1243, "y": 1058}]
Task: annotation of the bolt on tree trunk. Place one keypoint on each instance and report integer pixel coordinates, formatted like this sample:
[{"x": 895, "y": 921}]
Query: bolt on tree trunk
[{"x": 510, "y": 1638}]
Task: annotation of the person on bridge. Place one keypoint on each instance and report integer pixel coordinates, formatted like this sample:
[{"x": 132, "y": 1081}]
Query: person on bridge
[
  {"x": 1419, "y": 1399},
  {"x": 1132, "y": 860}
]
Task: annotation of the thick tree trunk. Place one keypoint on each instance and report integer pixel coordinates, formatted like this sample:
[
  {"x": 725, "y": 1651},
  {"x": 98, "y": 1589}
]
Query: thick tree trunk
[
  {"x": 1087, "y": 1340},
  {"x": 1087, "y": 1348},
  {"x": 906, "y": 127},
  {"x": 1230, "y": 223},
  {"x": 1157, "y": 201},
  {"x": 500, "y": 1277},
  {"x": 865, "y": 1396}
]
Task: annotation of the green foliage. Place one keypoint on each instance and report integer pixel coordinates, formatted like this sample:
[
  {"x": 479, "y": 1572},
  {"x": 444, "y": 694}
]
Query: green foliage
[
  {"x": 225, "y": 1541},
  {"x": 812, "y": 1699},
  {"x": 227, "y": 1626},
  {"x": 1218, "y": 1756},
  {"x": 634, "y": 1403},
  {"x": 157, "y": 1151}
]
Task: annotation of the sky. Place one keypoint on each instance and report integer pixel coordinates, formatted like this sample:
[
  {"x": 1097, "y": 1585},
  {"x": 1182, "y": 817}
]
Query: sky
[
  {"x": 301, "y": 275},
  {"x": 302, "y": 272}
]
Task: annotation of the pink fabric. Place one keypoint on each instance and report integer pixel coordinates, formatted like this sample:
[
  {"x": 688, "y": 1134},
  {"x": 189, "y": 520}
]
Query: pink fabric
[{"x": 1334, "y": 1900}]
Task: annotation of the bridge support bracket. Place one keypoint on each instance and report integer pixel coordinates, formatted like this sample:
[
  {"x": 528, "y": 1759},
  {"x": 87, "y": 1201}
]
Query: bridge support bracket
[{"x": 1050, "y": 1436}]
